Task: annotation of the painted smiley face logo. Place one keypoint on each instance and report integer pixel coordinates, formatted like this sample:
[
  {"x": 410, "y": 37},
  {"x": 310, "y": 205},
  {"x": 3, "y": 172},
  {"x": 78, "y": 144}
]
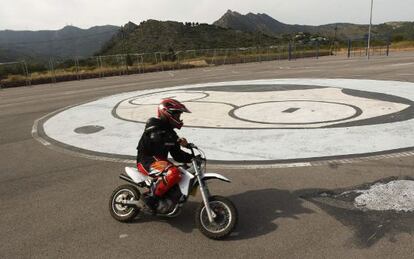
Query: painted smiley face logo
[
  {"x": 261, "y": 121},
  {"x": 273, "y": 106}
]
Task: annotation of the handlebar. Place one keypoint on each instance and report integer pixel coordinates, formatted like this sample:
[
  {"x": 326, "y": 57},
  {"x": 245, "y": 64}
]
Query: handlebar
[{"x": 191, "y": 146}]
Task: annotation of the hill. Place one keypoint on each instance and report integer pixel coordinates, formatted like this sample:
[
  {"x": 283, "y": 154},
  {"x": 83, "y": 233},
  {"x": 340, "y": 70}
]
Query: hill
[
  {"x": 270, "y": 26},
  {"x": 257, "y": 22},
  {"x": 152, "y": 36},
  {"x": 65, "y": 43}
]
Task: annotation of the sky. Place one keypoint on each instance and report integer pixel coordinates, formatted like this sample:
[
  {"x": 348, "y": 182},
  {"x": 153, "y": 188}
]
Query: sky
[{"x": 55, "y": 14}]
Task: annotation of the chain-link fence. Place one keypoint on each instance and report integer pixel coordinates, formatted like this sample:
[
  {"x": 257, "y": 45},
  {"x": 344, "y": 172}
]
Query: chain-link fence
[
  {"x": 78, "y": 68},
  {"x": 14, "y": 74},
  {"x": 358, "y": 48}
]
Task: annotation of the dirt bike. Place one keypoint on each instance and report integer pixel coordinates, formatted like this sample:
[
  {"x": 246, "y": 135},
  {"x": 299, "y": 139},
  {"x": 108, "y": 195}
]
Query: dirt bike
[{"x": 215, "y": 217}]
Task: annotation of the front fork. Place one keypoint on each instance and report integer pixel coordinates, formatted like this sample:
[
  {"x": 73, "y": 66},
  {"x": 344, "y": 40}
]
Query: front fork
[{"x": 204, "y": 193}]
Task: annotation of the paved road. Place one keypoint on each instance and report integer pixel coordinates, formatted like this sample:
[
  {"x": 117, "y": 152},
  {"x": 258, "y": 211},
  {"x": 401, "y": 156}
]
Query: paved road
[{"x": 55, "y": 205}]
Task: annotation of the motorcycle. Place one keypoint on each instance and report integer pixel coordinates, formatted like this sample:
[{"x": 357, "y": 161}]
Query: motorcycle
[{"x": 216, "y": 216}]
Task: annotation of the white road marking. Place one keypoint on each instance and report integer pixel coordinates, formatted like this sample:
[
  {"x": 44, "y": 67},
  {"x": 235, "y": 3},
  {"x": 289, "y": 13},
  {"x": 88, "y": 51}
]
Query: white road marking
[
  {"x": 120, "y": 137},
  {"x": 36, "y": 136},
  {"x": 317, "y": 107},
  {"x": 402, "y": 64}
]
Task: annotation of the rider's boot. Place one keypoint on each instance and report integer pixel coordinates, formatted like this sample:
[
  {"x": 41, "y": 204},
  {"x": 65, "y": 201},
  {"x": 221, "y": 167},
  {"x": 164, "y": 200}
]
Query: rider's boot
[{"x": 151, "y": 202}]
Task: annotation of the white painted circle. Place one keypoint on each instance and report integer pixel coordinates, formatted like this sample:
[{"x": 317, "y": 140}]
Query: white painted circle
[
  {"x": 295, "y": 112},
  {"x": 225, "y": 138}
]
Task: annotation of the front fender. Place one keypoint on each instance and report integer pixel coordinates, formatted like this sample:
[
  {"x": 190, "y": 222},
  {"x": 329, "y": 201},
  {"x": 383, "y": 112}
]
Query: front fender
[{"x": 208, "y": 176}]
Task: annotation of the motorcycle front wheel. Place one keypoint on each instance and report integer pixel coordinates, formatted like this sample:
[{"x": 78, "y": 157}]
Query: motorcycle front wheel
[
  {"x": 120, "y": 211},
  {"x": 225, "y": 218}
]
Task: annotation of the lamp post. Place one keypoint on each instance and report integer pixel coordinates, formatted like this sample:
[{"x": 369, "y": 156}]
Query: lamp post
[{"x": 369, "y": 30}]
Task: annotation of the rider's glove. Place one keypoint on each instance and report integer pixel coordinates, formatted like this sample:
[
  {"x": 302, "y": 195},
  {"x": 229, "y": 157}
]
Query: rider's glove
[
  {"x": 183, "y": 142},
  {"x": 199, "y": 157}
]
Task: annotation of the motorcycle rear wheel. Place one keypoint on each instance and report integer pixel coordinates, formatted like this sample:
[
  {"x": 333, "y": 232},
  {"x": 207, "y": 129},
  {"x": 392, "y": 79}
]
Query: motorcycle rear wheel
[
  {"x": 224, "y": 222},
  {"x": 119, "y": 211}
]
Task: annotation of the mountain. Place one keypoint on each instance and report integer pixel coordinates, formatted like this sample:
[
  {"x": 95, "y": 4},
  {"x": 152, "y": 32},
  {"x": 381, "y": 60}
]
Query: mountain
[
  {"x": 268, "y": 25},
  {"x": 256, "y": 22},
  {"x": 65, "y": 43},
  {"x": 153, "y": 36}
]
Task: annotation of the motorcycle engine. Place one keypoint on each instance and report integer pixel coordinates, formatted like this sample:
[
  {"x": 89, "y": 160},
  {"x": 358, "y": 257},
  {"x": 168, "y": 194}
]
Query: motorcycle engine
[
  {"x": 165, "y": 206},
  {"x": 172, "y": 197}
]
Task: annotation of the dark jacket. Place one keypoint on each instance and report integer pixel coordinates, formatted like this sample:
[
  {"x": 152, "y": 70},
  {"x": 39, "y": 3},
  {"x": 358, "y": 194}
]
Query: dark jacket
[{"x": 159, "y": 139}]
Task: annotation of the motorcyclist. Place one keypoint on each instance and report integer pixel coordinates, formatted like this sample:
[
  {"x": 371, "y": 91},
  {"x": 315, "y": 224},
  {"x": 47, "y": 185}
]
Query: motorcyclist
[{"x": 158, "y": 140}]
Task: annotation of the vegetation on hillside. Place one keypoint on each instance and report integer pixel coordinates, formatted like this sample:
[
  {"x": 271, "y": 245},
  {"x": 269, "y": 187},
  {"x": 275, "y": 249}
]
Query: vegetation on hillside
[{"x": 153, "y": 36}]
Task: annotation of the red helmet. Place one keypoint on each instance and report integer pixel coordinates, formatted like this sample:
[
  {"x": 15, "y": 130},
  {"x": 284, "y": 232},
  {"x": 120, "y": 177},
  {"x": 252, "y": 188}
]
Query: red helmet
[{"x": 170, "y": 110}]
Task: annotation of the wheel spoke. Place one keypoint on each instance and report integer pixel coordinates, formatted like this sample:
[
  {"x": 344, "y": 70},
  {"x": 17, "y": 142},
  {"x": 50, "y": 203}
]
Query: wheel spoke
[
  {"x": 222, "y": 219},
  {"x": 119, "y": 203}
]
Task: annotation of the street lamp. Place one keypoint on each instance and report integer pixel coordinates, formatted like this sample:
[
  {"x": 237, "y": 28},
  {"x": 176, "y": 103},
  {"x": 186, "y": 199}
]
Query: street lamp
[{"x": 369, "y": 30}]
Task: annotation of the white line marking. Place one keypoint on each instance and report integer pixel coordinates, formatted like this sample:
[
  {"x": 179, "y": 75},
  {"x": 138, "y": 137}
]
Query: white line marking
[
  {"x": 213, "y": 147},
  {"x": 401, "y": 64}
]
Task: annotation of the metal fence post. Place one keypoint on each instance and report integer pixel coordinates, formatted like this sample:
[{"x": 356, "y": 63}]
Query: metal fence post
[
  {"x": 225, "y": 57},
  {"x": 349, "y": 48},
  {"x": 290, "y": 51},
  {"x": 156, "y": 61},
  {"x": 267, "y": 54},
  {"x": 139, "y": 60},
  {"x": 317, "y": 50},
  {"x": 119, "y": 64},
  {"x": 278, "y": 53},
  {"x": 214, "y": 55},
  {"x": 142, "y": 63},
  {"x": 98, "y": 66},
  {"x": 178, "y": 59},
  {"x": 162, "y": 65},
  {"x": 52, "y": 71},
  {"x": 77, "y": 68},
  {"x": 126, "y": 59},
  {"x": 295, "y": 50},
  {"x": 101, "y": 67},
  {"x": 26, "y": 73},
  {"x": 138, "y": 63},
  {"x": 388, "y": 46}
]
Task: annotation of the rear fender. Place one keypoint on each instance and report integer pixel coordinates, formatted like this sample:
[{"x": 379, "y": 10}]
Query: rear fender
[{"x": 135, "y": 175}]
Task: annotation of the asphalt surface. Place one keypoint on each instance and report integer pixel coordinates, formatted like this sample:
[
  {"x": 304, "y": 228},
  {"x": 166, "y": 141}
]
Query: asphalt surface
[{"x": 54, "y": 205}]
